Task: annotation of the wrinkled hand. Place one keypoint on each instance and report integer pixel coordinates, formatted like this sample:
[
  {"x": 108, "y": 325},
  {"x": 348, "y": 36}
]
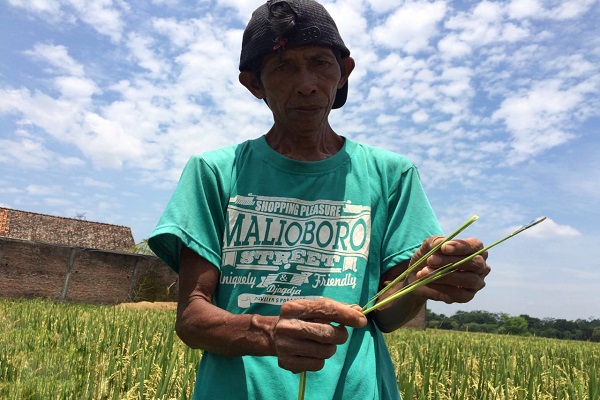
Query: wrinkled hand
[
  {"x": 461, "y": 285},
  {"x": 308, "y": 332}
]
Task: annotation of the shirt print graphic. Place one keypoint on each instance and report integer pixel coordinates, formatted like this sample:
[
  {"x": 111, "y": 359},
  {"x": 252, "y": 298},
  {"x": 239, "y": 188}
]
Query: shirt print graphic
[{"x": 276, "y": 249}]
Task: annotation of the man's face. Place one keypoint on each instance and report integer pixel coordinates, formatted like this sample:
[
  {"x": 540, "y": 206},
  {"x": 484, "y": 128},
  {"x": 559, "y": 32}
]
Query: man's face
[{"x": 300, "y": 85}]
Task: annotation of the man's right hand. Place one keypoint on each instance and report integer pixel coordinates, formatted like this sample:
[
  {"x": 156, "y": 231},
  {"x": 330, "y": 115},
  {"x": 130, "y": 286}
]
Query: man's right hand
[
  {"x": 302, "y": 337},
  {"x": 308, "y": 332}
]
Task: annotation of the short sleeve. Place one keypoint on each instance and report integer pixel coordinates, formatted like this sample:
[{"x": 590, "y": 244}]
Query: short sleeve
[
  {"x": 410, "y": 220},
  {"x": 194, "y": 216}
]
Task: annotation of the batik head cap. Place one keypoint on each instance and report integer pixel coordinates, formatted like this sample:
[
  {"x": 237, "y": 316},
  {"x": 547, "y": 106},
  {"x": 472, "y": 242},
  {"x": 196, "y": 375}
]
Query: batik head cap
[{"x": 280, "y": 24}]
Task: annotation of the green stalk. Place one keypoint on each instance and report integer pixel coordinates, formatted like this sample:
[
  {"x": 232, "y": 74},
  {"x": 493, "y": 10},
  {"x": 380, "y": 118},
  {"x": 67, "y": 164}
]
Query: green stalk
[
  {"x": 446, "y": 269},
  {"x": 302, "y": 387},
  {"x": 437, "y": 274},
  {"x": 421, "y": 260}
]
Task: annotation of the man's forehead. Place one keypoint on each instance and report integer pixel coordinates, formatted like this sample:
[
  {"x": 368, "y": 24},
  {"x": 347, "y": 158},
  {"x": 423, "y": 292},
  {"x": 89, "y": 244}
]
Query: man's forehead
[{"x": 300, "y": 52}]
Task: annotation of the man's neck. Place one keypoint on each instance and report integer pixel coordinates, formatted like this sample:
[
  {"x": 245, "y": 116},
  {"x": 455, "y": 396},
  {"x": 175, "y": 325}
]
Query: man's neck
[{"x": 305, "y": 146}]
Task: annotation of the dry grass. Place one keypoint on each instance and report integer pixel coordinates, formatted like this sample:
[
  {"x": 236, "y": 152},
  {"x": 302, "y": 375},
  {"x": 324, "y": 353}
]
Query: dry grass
[{"x": 147, "y": 305}]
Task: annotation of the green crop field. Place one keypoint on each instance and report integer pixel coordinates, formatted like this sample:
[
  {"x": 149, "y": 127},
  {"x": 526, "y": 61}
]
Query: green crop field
[{"x": 71, "y": 351}]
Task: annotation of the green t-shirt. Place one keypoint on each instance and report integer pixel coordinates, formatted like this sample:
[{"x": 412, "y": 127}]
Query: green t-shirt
[{"x": 280, "y": 229}]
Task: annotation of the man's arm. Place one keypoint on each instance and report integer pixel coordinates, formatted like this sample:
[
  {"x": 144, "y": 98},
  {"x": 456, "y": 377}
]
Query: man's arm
[
  {"x": 458, "y": 287},
  {"x": 397, "y": 313},
  {"x": 202, "y": 325},
  {"x": 303, "y": 336}
]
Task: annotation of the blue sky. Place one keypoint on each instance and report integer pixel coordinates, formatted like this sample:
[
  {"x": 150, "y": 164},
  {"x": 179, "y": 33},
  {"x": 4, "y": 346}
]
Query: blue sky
[{"x": 496, "y": 102}]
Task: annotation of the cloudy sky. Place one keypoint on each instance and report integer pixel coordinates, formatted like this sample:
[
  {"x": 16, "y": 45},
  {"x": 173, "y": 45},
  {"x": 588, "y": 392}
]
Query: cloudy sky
[{"x": 496, "y": 102}]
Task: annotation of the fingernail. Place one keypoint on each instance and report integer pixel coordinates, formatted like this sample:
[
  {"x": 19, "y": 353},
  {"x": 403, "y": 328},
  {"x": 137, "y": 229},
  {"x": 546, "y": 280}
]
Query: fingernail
[
  {"x": 449, "y": 248},
  {"x": 435, "y": 260}
]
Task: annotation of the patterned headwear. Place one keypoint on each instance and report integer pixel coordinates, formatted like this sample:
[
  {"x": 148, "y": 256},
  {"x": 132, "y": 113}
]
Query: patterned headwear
[{"x": 280, "y": 24}]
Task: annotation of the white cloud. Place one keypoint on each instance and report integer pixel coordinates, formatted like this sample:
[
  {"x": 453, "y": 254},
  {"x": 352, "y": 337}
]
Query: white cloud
[
  {"x": 482, "y": 25},
  {"x": 456, "y": 82},
  {"x": 25, "y": 154},
  {"x": 244, "y": 8},
  {"x": 451, "y": 47},
  {"x": 106, "y": 142},
  {"x": 70, "y": 162},
  {"x": 540, "y": 118},
  {"x": 43, "y": 190},
  {"x": 58, "y": 57},
  {"x": 57, "y": 202},
  {"x": 384, "y": 6},
  {"x": 102, "y": 15},
  {"x": 353, "y": 27},
  {"x": 535, "y": 9},
  {"x": 55, "y": 116},
  {"x": 514, "y": 33},
  {"x": 550, "y": 229},
  {"x": 180, "y": 33},
  {"x": 420, "y": 117},
  {"x": 96, "y": 184},
  {"x": 411, "y": 27},
  {"x": 142, "y": 52},
  {"x": 76, "y": 88},
  {"x": 45, "y": 7},
  {"x": 524, "y": 9},
  {"x": 568, "y": 9}
]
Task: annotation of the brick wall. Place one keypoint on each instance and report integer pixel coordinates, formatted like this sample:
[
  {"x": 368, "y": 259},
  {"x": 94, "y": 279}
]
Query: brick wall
[
  {"x": 30, "y": 269},
  {"x": 34, "y": 269},
  {"x": 25, "y": 225}
]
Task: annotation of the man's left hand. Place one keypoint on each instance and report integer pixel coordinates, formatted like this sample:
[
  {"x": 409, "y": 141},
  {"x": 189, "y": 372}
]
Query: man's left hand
[{"x": 461, "y": 285}]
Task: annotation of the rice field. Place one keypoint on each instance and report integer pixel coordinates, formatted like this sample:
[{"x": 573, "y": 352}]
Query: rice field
[{"x": 72, "y": 351}]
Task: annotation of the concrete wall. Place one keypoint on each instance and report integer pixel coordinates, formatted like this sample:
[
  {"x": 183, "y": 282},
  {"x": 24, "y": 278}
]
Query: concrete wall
[{"x": 32, "y": 269}]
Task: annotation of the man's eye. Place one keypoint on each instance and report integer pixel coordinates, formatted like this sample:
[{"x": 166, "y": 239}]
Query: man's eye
[
  {"x": 282, "y": 67},
  {"x": 322, "y": 63}
]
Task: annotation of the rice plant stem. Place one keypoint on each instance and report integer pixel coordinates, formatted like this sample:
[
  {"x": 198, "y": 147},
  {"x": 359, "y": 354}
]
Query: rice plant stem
[
  {"x": 302, "y": 387},
  {"x": 446, "y": 269},
  {"x": 437, "y": 274},
  {"x": 421, "y": 260}
]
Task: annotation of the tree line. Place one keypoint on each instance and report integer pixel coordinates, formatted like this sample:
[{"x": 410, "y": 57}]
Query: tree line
[{"x": 484, "y": 321}]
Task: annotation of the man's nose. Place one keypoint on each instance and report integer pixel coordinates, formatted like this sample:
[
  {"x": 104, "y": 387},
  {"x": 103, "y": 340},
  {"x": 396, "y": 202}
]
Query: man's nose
[{"x": 306, "y": 82}]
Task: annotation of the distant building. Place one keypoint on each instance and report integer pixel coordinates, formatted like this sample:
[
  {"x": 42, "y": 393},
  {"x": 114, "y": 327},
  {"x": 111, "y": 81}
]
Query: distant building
[
  {"x": 24, "y": 225},
  {"x": 77, "y": 260}
]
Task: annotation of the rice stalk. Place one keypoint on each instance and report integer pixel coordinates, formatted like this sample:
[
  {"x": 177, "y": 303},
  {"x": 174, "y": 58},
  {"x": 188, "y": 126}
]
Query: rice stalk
[{"x": 437, "y": 274}]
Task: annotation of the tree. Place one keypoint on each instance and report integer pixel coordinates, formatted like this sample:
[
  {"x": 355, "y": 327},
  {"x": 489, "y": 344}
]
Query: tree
[
  {"x": 514, "y": 325},
  {"x": 483, "y": 321},
  {"x": 595, "y": 335},
  {"x": 142, "y": 248}
]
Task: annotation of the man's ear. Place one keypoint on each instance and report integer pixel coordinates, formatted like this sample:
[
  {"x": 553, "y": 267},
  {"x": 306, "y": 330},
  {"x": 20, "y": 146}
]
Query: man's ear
[
  {"x": 251, "y": 82},
  {"x": 347, "y": 66}
]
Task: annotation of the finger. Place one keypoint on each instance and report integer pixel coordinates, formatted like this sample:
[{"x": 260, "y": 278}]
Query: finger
[
  {"x": 325, "y": 310},
  {"x": 305, "y": 348},
  {"x": 301, "y": 364},
  {"x": 321, "y": 333},
  {"x": 461, "y": 279},
  {"x": 476, "y": 264},
  {"x": 427, "y": 245},
  {"x": 462, "y": 247},
  {"x": 450, "y": 294}
]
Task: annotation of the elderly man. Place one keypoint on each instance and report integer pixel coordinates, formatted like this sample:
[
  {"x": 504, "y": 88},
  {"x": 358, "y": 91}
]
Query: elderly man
[{"x": 278, "y": 239}]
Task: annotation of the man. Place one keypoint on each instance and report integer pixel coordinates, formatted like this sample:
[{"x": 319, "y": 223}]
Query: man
[{"x": 278, "y": 240}]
